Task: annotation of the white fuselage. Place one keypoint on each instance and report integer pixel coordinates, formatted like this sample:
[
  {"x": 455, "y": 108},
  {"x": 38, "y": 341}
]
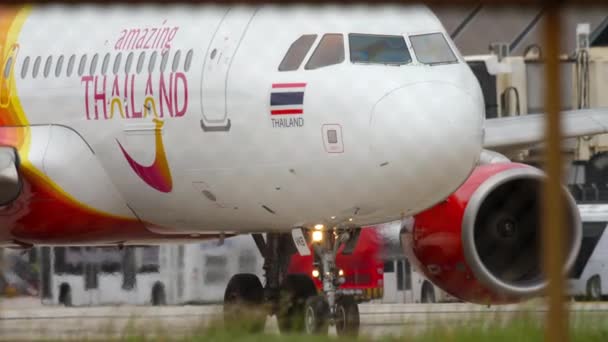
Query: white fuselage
[{"x": 407, "y": 135}]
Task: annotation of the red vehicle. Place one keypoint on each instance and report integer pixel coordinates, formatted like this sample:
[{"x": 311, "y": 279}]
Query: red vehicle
[{"x": 362, "y": 270}]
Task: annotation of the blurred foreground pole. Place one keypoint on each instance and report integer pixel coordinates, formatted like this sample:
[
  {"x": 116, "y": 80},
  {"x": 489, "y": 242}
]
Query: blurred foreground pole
[{"x": 556, "y": 326}]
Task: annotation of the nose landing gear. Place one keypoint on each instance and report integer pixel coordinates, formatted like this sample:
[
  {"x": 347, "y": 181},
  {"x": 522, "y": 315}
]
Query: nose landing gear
[
  {"x": 293, "y": 298},
  {"x": 341, "y": 310}
]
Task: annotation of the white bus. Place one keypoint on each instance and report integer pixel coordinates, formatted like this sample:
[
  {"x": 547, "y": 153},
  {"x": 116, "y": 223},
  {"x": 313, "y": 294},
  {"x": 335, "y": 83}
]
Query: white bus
[
  {"x": 403, "y": 283},
  {"x": 589, "y": 276},
  {"x": 192, "y": 273},
  {"x": 167, "y": 274}
]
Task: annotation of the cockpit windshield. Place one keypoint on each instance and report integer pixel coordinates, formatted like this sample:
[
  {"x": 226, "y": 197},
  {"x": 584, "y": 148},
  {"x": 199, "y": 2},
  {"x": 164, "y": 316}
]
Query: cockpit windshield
[
  {"x": 432, "y": 48},
  {"x": 376, "y": 49}
]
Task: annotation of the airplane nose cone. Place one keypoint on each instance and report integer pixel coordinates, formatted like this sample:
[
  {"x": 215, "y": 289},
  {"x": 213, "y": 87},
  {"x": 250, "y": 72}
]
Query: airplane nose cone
[{"x": 430, "y": 131}]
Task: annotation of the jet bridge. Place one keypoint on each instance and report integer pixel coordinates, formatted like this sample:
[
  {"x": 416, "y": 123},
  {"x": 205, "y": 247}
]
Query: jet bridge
[
  {"x": 513, "y": 85},
  {"x": 475, "y": 28}
]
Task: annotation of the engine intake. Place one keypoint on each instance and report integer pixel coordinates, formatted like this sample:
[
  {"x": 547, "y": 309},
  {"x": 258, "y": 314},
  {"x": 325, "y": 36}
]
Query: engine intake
[{"x": 483, "y": 243}]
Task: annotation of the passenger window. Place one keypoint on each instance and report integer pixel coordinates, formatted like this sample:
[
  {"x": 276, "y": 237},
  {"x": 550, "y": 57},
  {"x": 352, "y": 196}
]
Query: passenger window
[
  {"x": 70, "y": 68},
  {"x": 7, "y": 67},
  {"x": 129, "y": 62},
  {"x": 432, "y": 49},
  {"x": 163, "y": 61},
  {"x": 592, "y": 233},
  {"x": 140, "y": 61},
  {"x": 47, "y": 66},
  {"x": 36, "y": 67},
  {"x": 25, "y": 66},
  {"x": 82, "y": 65},
  {"x": 176, "y": 58},
  {"x": 296, "y": 52},
  {"x": 105, "y": 63},
  {"x": 93, "y": 64},
  {"x": 330, "y": 51},
  {"x": 116, "y": 66},
  {"x": 375, "y": 49},
  {"x": 152, "y": 62},
  {"x": 59, "y": 66},
  {"x": 188, "y": 61},
  {"x": 389, "y": 267}
]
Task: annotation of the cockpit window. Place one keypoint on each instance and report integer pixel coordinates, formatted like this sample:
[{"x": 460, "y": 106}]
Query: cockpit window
[
  {"x": 432, "y": 48},
  {"x": 374, "y": 49},
  {"x": 296, "y": 53},
  {"x": 330, "y": 51}
]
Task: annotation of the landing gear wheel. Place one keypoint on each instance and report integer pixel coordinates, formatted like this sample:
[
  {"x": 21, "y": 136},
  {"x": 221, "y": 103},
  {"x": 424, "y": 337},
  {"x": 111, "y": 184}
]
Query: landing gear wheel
[
  {"x": 243, "y": 301},
  {"x": 316, "y": 315},
  {"x": 594, "y": 288},
  {"x": 295, "y": 290},
  {"x": 158, "y": 295},
  {"x": 347, "y": 316},
  {"x": 428, "y": 294},
  {"x": 65, "y": 295}
]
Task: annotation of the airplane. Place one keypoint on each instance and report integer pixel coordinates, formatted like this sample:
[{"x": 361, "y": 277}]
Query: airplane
[{"x": 130, "y": 125}]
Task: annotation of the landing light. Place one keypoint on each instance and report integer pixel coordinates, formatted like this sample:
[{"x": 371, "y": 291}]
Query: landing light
[
  {"x": 319, "y": 226},
  {"x": 315, "y": 273},
  {"x": 317, "y": 236}
]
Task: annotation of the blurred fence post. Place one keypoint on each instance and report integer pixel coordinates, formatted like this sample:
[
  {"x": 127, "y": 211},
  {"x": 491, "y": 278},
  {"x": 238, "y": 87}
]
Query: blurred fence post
[{"x": 556, "y": 325}]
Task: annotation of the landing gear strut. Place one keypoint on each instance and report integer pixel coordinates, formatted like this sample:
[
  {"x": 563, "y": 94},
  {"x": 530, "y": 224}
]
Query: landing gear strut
[
  {"x": 342, "y": 310},
  {"x": 294, "y": 298}
]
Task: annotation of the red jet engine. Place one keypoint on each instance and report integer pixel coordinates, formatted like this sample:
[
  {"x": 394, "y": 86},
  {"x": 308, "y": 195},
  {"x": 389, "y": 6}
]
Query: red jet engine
[{"x": 483, "y": 243}]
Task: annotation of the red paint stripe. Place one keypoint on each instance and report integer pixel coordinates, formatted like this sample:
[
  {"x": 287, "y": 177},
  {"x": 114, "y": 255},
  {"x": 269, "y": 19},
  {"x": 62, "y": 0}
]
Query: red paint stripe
[
  {"x": 288, "y": 85},
  {"x": 286, "y": 111}
]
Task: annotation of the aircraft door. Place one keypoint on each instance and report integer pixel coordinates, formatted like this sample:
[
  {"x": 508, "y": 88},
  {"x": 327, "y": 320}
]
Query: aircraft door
[{"x": 221, "y": 51}]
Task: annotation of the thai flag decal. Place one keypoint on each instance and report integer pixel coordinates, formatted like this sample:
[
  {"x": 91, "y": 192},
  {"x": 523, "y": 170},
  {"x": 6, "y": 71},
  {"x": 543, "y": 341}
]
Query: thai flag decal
[{"x": 287, "y": 99}]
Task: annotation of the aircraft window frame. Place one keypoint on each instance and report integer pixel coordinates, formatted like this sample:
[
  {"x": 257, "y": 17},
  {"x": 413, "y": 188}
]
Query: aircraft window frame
[
  {"x": 140, "y": 62},
  {"x": 405, "y": 46},
  {"x": 297, "y": 53},
  {"x": 82, "y": 65},
  {"x": 93, "y": 66},
  {"x": 319, "y": 47},
  {"x": 59, "y": 66},
  {"x": 105, "y": 64},
  {"x": 25, "y": 66},
  {"x": 152, "y": 62},
  {"x": 418, "y": 55},
  {"x": 116, "y": 65},
  {"x": 47, "y": 66},
  {"x": 129, "y": 62},
  {"x": 36, "y": 66},
  {"x": 188, "y": 60},
  {"x": 70, "y": 67},
  {"x": 176, "y": 57},
  {"x": 164, "y": 60}
]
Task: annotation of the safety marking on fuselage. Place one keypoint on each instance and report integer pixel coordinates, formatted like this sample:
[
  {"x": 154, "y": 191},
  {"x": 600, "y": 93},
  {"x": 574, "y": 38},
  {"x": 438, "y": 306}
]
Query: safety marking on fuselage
[{"x": 287, "y": 105}]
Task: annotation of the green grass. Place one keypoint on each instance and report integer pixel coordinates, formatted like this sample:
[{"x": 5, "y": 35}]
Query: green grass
[{"x": 524, "y": 328}]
